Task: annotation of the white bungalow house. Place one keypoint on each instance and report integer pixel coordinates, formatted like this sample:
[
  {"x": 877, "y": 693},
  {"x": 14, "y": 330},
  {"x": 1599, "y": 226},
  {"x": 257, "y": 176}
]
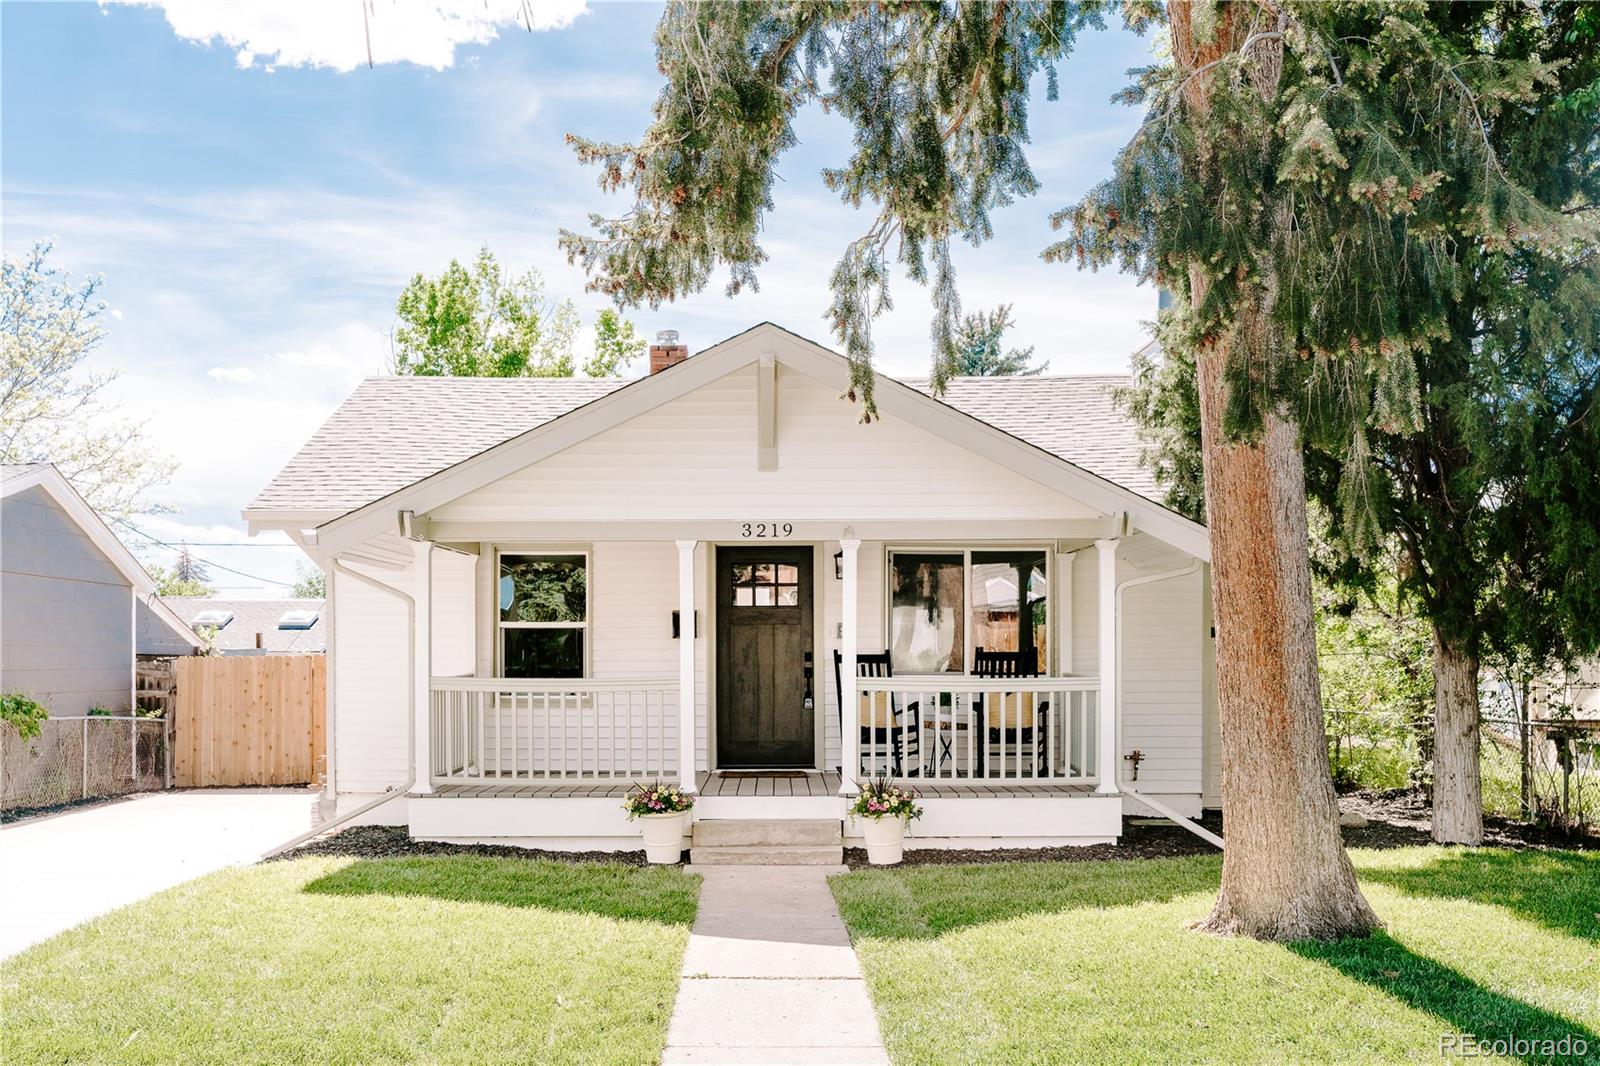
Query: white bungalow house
[{"x": 543, "y": 590}]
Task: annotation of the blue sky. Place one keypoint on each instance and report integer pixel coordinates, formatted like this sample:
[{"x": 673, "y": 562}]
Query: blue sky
[{"x": 255, "y": 197}]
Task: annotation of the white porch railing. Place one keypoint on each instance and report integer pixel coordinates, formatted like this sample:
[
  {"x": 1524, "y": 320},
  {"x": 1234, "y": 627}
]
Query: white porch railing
[
  {"x": 501, "y": 730},
  {"x": 969, "y": 730}
]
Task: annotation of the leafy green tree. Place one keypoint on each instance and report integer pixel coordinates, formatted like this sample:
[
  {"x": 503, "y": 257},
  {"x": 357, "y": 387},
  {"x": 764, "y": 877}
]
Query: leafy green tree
[
  {"x": 309, "y": 583},
  {"x": 53, "y": 408},
  {"x": 1374, "y": 654},
  {"x": 615, "y": 345},
  {"x": 479, "y": 322},
  {"x": 979, "y": 350}
]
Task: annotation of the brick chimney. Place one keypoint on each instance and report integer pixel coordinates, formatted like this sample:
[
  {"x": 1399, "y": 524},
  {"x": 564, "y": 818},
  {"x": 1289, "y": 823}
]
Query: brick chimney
[{"x": 666, "y": 351}]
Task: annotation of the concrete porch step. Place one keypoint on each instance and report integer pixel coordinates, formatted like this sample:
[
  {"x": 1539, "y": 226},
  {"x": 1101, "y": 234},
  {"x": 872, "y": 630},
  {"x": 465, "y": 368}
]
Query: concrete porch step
[
  {"x": 767, "y": 832},
  {"x": 767, "y": 855}
]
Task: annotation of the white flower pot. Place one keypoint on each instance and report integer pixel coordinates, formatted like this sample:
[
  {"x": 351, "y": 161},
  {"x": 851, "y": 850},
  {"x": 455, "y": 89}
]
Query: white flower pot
[
  {"x": 663, "y": 836},
  {"x": 886, "y": 839}
]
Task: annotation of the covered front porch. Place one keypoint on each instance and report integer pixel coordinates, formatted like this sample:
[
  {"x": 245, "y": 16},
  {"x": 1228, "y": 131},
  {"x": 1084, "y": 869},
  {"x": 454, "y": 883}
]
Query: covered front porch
[
  {"x": 995, "y": 741},
  {"x": 952, "y": 663}
]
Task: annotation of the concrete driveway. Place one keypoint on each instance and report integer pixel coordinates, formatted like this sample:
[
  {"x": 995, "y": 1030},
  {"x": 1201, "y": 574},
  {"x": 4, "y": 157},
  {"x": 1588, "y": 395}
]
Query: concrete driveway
[{"x": 67, "y": 868}]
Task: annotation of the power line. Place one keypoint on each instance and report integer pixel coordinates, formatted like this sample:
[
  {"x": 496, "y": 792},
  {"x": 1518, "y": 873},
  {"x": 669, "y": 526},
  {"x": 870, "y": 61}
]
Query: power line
[{"x": 209, "y": 562}]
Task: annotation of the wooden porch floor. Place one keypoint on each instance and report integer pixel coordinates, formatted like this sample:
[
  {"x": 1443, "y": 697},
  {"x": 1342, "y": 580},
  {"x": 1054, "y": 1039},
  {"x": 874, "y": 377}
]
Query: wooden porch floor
[{"x": 742, "y": 784}]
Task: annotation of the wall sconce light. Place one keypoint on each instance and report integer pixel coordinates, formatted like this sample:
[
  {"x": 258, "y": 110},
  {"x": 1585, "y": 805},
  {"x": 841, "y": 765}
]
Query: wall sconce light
[
  {"x": 675, "y": 624},
  {"x": 838, "y": 565}
]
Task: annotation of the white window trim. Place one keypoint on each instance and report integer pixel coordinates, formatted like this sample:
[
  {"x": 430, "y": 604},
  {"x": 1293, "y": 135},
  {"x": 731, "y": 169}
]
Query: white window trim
[
  {"x": 500, "y": 626},
  {"x": 965, "y": 550}
]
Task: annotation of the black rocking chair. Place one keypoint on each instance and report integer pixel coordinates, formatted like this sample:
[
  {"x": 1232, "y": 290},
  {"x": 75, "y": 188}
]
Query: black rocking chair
[
  {"x": 1018, "y": 717},
  {"x": 880, "y": 717}
]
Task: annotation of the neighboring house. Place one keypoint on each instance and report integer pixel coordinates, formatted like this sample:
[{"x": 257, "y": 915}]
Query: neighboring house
[
  {"x": 255, "y": 627},
  {"x": 510, "y": 564},
  {"x": 76, "y": 608}
]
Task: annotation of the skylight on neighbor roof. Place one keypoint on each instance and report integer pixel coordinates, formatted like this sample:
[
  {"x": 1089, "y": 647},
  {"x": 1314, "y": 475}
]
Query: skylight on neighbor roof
[
  {"x": 297, "y": 620},
  {"x": 215, "y": 619}
]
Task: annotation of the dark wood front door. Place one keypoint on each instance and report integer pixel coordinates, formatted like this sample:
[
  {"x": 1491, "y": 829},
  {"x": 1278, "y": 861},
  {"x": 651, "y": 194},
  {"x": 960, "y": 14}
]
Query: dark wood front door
[{"x": 763, "y": 643}]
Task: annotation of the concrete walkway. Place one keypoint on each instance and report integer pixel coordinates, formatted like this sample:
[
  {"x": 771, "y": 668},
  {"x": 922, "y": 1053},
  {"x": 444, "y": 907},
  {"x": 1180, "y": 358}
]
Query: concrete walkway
[
  {"x": 770, "y": 976},
  {"x": 67, "y": 868}
]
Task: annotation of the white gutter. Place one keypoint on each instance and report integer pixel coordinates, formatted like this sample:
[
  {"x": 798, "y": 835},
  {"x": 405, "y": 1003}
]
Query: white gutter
[
  {"x": 393, "y": 791},
  {"x": 1116, "y": 772}
]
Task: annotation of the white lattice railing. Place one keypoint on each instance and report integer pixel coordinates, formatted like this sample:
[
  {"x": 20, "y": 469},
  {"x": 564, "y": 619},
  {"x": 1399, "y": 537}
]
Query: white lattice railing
[
  {"x": 501, "y": 730},
  {"x": 968, "y": 730}
]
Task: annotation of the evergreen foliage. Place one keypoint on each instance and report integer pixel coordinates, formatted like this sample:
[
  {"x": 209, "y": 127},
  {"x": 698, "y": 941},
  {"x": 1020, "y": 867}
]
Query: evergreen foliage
[
  {"x": 938, "y": 97},
  {"x": 1490, "y": 494},
  {"x": 980, "y": 351}
]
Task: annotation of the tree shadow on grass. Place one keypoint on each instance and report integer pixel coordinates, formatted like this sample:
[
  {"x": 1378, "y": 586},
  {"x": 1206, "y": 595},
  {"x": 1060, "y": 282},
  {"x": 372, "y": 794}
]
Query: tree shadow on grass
[
  {"x": 926, "y": 902},
  {"x": 1559, "y": 890},
  {"x": 655, "y": 894},
  {"x": 1462, "y": 1005}
]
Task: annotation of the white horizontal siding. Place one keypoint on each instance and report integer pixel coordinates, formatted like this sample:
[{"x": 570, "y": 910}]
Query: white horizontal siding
[
  {"x": 454, "y": 607},
  {"x": 694, "y": 458},
  {"x": 371, "y": 657},
  {"x": 1161, "y": 683},
  {"x": 632, "y": 593}
]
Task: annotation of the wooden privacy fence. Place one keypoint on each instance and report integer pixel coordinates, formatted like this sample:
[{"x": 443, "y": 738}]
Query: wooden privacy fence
[{"x": 249, "y": 720}]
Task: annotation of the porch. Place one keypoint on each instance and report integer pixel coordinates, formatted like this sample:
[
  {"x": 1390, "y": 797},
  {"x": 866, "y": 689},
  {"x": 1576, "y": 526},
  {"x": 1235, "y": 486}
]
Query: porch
[{"x": 544, "y": 761}]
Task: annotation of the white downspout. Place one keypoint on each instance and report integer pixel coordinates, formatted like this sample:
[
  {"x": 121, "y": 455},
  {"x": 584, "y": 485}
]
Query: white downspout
[
  {"x": 1116, "y": 771},
  {"x": 393, "y": 791}
]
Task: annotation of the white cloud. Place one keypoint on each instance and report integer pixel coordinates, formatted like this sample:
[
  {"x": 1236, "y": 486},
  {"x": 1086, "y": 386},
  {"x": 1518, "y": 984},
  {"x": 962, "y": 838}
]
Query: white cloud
[
  {"x": 352, "y": 352},
  {"x": 232, "y": 375},
  {"x": 315, "y": 33}
]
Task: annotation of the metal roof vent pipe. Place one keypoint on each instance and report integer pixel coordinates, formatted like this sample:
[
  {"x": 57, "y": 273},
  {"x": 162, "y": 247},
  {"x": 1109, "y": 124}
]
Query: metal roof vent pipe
[{"x": 666, "y": 351}]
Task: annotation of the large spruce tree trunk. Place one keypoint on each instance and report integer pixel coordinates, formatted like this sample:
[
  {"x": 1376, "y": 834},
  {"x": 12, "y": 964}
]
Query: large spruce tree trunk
[
  {"x": 1285, "y": 874},
  {"x": 1457, "y": 786}
]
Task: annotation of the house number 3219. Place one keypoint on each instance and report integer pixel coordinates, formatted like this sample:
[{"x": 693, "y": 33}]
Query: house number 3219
[{"x": 766, "y": 530}]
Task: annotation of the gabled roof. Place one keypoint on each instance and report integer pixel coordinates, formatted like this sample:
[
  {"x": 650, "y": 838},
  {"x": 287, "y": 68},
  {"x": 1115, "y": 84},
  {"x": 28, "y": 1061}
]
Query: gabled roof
[
  {"x": 44, "y": 476},
  {"x": 396, "y": 439},
  {"x": 386, "y": 434},
  {"x": 252, "y": 617},
  {"x": 1075, "y": 417},
  {"x": 395, "y": 430}
]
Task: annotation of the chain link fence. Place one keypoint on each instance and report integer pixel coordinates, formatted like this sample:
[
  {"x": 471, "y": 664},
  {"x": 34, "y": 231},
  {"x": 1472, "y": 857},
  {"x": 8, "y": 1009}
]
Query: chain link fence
[
  {"x": 1547, "y": 770},
  {"x": 79, "y": 758}
]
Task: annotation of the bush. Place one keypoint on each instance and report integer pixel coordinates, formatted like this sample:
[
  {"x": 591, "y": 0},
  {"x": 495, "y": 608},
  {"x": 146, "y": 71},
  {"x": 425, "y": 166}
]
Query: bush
[{"x": 22, "y": 712}]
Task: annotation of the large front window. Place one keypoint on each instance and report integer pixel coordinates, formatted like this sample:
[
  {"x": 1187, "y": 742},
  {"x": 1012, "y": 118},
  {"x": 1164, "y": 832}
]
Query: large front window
[
  {"x": 544, "y": 614},
  {"x": 944, "y": 605}
]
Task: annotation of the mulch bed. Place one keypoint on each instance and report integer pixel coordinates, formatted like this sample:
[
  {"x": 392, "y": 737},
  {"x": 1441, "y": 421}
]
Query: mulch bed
[
  {"x": 1397, "y": 818},
  {"x": 1401, "y": 817},
  {"x": 391, "y": 842}
]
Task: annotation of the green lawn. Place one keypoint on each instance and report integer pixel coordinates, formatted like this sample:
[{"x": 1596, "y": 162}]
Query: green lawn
[
  {"x": 323, "y": 960},
  {"x": 1091, "y": 962}
]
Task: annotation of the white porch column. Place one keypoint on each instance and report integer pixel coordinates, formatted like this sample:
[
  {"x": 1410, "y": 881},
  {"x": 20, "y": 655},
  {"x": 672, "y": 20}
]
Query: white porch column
[
  {"x": 1107, "y": 728},
  {"x": 686, "y": 665},
  {"x": 422, "y": 667},
  {"x": 849, "y": 728}
]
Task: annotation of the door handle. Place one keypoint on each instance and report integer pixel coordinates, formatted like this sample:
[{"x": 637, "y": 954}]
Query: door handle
[{"x": 809, "y": 703}]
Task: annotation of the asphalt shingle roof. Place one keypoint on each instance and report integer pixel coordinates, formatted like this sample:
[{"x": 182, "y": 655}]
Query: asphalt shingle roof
[
  {"x": 256, "y": 616},
  {"x": 394, "y": 431}
]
